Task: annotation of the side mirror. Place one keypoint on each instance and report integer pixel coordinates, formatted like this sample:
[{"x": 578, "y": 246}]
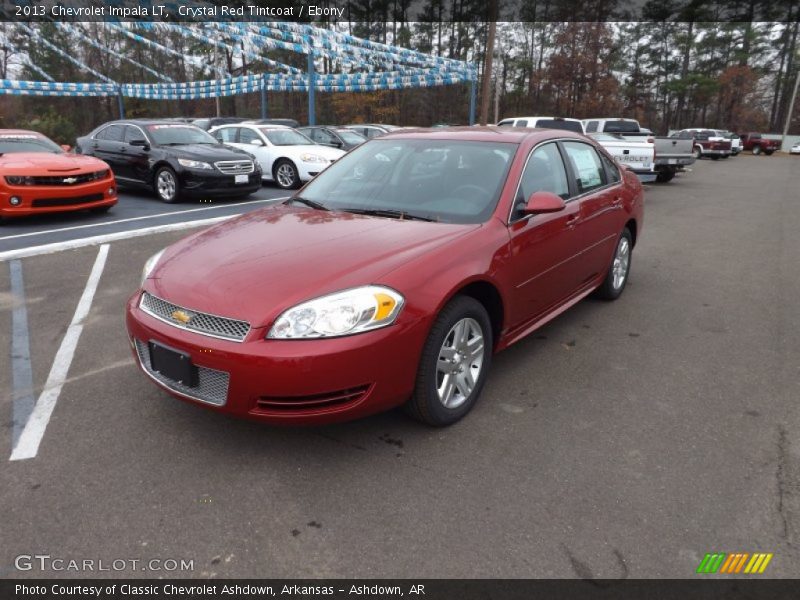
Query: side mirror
[
  {"x": 66, "y": 147},
  {"x": 140, "y": 144},
  {"x": 256, "y": 142},
  {"x": 543, "y": 202}
]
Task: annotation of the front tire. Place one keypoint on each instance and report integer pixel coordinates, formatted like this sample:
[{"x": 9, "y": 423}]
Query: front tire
[
  {"x": 617, "y": 276},
  {"x": 756, "y": 150},
  {"x": 454, "y": 364},
  {"x": 100, "y": 210},
  {"x": 285, "y": 174},
  {"x": 166, "y": 185}
]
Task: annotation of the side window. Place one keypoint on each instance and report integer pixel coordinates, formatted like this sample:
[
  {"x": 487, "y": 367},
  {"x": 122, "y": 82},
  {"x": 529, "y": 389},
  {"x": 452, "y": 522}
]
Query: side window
[
  {"x": 586, "y": 165},
  {"x": 113, "y": 133},
  {"x": 506, "y": 123},
  {"x": 612, "y": 171},
  {"x": 323, "y": 137},
  {"x": 544, "y": 172},
  {"x": 133, "y": 133},
  {"x": 101, "y": 135},
  {"x": 591, "y": 127},
  {"x": 226, "y": 135},
  {"x": 521, "y": 123},
  {"x": 247, "y": 135}
]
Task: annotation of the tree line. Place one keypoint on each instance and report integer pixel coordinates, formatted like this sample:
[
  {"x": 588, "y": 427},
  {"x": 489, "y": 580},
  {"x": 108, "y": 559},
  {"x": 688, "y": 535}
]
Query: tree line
[{"x": 679, "y": 68}]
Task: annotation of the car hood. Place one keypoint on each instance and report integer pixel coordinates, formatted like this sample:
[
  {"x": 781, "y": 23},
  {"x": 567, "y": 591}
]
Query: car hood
[
  {"x": 324, "y": 151},
  {"x": 207, "y": 152},
  {"x": 268, "y": 260},
  {"x": 30, "y": 163}
]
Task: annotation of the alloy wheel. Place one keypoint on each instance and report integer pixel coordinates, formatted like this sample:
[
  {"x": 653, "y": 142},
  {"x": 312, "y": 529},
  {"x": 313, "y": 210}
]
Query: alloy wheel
[
  {"x": 622, "y": 260},
  {"x": 460, "y": 362}
]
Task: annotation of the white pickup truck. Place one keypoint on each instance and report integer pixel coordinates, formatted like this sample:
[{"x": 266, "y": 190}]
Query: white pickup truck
[
  {"x": 672, "y": 154},
  {"x": 637, "y": 155}
]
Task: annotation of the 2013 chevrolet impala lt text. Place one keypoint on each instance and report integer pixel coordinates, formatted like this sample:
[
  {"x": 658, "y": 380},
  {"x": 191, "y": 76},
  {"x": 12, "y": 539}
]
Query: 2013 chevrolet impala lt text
[{"x": 390, "y": 279}]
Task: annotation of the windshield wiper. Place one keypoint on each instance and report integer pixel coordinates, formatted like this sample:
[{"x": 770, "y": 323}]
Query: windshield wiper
[
  {"x": 388, "y": 212},
  {"x": 312, "y": 203}
]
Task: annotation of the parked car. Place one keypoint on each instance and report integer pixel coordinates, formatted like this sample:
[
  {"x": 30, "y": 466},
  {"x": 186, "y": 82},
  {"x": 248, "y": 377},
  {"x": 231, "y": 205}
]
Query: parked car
[
  {"x": 756, "y": 143},
  {"x": 637, "y": 155},
  {"x": 338, "y": 137},
  {"x": 174, "y": 159},
  {"x": 564, "y": 123},
  {"x": 423, "y": 254},
  {"x": 707, "y": 142},
  {"x": 736, "y": 141},
  {"x": 671, "y": 154},
  {"x": 285, "y": 122},
  {"x": 795, "y": 149},
  {"x": 39, "y": 176},
  {"x": 207, "y": 123},
  {"x": 286, "y": 156},
  {"x": 369, "y": 130}
]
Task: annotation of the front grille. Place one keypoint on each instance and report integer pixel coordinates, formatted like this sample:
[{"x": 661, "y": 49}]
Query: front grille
[
  {"x": 335, "y": 399},
  {"x": 212, "y": 386},
  {"x": 203, "y": 323},
  {"x": 235, "y": 167},
  {"x": 42, "y": 202},
  {"x": 70, "y": 179}
]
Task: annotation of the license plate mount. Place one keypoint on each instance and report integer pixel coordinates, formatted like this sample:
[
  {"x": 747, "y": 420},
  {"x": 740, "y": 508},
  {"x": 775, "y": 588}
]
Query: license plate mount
[
  {"x": 241, "y": 179},
  {"x": 173, "y": 364}
]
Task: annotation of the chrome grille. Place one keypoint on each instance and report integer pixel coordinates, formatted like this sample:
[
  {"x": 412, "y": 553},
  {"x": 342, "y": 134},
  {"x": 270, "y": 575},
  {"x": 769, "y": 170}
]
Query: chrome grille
[
  {"x": 235, "y": 167},
  {"x": 212, "y": 386},
  {"x": 203, "y": 323}
]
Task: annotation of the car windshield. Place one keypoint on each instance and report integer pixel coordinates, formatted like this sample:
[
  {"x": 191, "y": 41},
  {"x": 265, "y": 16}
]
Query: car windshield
[
  {"x": 27, "y": 142},
  {"x": 174, "y": 134},
  {"x": 286, "y": 137},
  {"x": 351, "y": 137},
  {"x": 441, "y": 180}
]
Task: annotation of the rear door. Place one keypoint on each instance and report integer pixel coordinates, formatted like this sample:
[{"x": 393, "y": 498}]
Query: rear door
[
  {"x": 108, "y": 146},
  {"x": 599, "y": 199}
]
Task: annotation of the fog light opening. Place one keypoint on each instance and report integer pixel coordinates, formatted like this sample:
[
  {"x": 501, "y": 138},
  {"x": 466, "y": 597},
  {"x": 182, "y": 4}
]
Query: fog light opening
[
  {"x": 15, "y": 201},
  {"x": 111, "y": 191}
]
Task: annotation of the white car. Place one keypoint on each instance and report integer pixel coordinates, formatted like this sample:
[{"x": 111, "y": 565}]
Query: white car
[
  {"x": 286, "y": 156},
  {"x": 795, "y": 149},
  {"x": 543, "y": 123},
  {"x": 637, "y": 154}
]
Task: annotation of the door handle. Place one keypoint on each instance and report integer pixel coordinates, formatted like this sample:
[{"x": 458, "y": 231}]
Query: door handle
[
  {"x": 571, "y": 220},
  {"x": 617, "y": 200}
]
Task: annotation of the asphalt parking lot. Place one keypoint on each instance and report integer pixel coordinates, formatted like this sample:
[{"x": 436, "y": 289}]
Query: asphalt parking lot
[{"x": 623, "y": 439}]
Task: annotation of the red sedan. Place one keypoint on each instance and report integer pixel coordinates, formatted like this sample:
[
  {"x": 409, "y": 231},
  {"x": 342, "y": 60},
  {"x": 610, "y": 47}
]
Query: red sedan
[
  {"x": 390, "y": 279},
  {"x": 39, "y": 176}
]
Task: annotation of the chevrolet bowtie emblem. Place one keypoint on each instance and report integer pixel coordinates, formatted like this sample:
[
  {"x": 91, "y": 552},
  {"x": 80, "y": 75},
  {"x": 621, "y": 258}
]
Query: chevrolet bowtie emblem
[
  {"x": 181, "y": 316},
  {"x": 70, "y": 180}
]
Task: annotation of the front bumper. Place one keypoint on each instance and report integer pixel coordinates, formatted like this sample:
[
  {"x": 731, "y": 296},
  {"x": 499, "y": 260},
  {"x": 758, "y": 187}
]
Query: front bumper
[
  {"x": 54, "y": 198},
  {"x": 195, "y": 183},
  {"x": 298, "y": 382},
  {"x": 307, "y": 171}
]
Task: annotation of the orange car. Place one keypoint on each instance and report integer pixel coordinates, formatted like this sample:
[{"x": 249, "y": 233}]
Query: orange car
[{"x": 38, "y": 176}]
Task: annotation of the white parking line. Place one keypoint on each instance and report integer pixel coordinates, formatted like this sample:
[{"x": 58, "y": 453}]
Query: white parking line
[
  {"x": 27, "y": 445},
  {"x": 105, "y": 238},
  {"x": 130, "y": 219}
]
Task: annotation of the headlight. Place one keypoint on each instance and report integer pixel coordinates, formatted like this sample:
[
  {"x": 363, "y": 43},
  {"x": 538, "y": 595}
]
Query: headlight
[
  {"x": 193, "y": 164},
  {"x": 19, "y": 180},
  {"x": 150, "y": 265},
  {"x": 313, "y": 158},
  {"x": 343, "y": 313}
]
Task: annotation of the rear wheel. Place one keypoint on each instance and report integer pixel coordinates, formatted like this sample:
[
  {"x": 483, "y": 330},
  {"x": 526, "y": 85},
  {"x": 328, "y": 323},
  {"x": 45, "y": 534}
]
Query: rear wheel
[
  {"x": 665, "y": 176},
  {"x": 454, "y": 364},
  {"x": 698, "y": 152},
  {"x": 167, "y": 186},
  {"x": 617, "y": 275},
  {"x": 769, "y": 152}
]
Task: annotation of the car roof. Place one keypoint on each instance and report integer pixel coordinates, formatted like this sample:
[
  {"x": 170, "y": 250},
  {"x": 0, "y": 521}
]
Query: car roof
[
  {"x": 542, "y": 117},
  {"x": 147, "y": 122},
  {"x": 483, "y": 134},
  {"x": 20, "y": 131}
]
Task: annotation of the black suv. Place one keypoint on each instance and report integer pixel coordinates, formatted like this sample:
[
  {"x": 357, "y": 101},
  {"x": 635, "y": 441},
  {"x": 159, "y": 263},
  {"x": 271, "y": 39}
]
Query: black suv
[{"x": 172, "y": 158}]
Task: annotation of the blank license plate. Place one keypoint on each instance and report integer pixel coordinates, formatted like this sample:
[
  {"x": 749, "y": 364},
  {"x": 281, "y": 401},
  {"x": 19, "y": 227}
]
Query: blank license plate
[
  {"x": 241, "y": 178},
  {"x": 173, "y": 364}
]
